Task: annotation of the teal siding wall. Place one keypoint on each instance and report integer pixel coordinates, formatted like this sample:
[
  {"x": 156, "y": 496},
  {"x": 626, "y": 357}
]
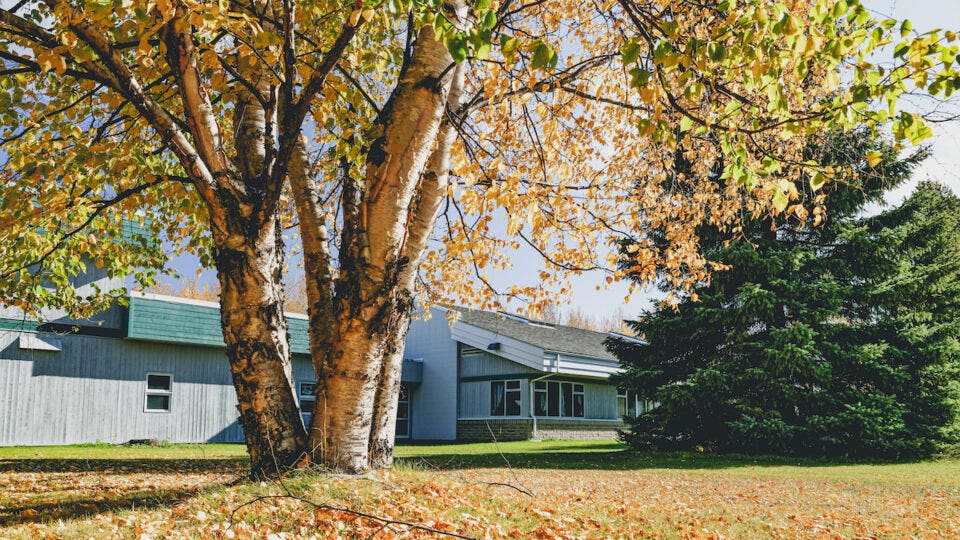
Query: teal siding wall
[
  {"x": 299, "y": 335},
  {"x": 152, "y": 319}
]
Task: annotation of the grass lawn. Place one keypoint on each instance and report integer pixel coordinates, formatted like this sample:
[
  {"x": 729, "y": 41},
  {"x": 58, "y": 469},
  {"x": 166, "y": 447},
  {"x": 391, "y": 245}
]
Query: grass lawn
[{"x": 551, "y": 489}]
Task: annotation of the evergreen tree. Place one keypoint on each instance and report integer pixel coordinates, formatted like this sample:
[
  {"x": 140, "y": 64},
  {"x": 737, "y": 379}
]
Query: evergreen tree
[{"x": 839, "y": 339}]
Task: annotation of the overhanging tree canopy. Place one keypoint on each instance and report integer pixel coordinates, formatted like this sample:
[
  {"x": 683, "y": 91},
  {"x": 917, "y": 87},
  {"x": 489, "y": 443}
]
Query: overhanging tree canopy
[{"x": 362, "y": 122}]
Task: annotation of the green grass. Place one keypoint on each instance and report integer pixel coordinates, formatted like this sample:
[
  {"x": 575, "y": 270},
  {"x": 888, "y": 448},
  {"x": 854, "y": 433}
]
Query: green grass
[
  {"x": 562, "y": 455},
  {"x": 135, "y": 452}
]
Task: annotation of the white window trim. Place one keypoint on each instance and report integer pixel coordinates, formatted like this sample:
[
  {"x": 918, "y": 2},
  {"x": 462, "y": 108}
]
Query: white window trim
[
  {"x": 639, "y": 406},
  {"x": 154, "y": 392},
  {"x": 573, "y": 392},
  {"x": 505, "y": 390},
  {"x": 309, "y": 397}
]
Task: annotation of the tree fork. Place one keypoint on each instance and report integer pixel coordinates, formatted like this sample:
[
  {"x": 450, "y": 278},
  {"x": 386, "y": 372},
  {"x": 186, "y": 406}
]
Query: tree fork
[{"x": 357, "y": 395}]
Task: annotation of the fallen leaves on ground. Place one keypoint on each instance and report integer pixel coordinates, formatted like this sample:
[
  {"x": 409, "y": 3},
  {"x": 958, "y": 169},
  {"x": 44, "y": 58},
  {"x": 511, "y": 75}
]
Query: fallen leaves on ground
[{"x": 190, "y": 502}]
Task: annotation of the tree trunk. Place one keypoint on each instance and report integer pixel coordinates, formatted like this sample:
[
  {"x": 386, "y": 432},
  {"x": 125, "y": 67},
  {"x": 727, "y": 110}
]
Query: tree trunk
[
  {"x": 432, "y": 190},
  {"x": 372, "y": 309},
  {"x": 383, "y": 431},
  {"x": 249, "y": 267}
]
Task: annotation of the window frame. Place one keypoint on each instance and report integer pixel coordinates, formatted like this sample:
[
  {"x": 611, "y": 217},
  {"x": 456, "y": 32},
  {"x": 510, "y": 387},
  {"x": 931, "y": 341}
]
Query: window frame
[
  {"x": 404, "y": 389},
  {"x": 583, "y": 400},
  {"x": 639, "y": 406},
  {"x": 540, "y": 387},
  {"x": 543, "y": 387},
  {"x": 311, "y": 397},
  {"x": 506, "y": 392},
  {"x": 147, "y": 392}
]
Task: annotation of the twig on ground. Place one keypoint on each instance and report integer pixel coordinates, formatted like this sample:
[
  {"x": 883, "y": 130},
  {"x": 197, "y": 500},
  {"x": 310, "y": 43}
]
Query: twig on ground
[
  {"x": 507, "y": 461},
  {"x": 521, "y": 489},
  {"x": 372, "y": 517}
]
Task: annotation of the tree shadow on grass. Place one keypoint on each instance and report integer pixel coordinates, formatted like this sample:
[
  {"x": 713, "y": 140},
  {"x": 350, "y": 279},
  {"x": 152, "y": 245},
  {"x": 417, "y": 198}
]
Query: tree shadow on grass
[
  {"x": 124, "y": 466},
  {"x": 77, "y": 502},
  {"x": 85, "y": 507},
  {"x": 612, "y": 458}
]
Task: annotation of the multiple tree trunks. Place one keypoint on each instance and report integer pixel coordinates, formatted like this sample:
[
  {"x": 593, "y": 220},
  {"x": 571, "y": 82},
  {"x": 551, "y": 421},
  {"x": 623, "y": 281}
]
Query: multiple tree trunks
[
  {"x": 388, "y": 218},
  {"x": 360, "y": 308}
]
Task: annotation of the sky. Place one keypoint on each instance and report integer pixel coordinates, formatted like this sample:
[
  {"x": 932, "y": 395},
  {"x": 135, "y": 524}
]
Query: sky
[{"x": 943, "y": 165}]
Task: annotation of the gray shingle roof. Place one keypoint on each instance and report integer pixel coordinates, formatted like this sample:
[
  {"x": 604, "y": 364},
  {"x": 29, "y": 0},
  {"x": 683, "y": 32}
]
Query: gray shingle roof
[{"x": 550, "y": 337}]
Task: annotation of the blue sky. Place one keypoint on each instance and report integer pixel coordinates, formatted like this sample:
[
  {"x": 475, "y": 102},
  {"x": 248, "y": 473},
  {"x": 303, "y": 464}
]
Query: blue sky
[{"x": 943, "y": 166}]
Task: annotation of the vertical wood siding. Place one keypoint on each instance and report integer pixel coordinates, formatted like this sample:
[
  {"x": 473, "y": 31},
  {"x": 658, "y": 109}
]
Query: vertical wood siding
[
  {"x": 433, "y": 411},
  {"x": 600, "y": 401},
  {"x": 94, "y": 390},
  {"x": 483, "y": 363}
]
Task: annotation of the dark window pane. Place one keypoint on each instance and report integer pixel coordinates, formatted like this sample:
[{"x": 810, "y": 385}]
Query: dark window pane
[
  {"x": 540, "y": 385},
  {"x": 158, "y": 403},
  {"x": 403, "y": 410},
  {"x": 513, "y": 403},
  {"x": 404, "y": 393},
  {"x": 496, "y": 398},
  {"x": 621, "y": 406},
  {"x": 553, "y": 399},
  {"x": 307, "y": 389},
  {"x": 403, "y": 428},
  {"x": 567, "y": 398},
  {"x": 540, "y": 402},
  {"x": 306, "y": 406},
  {"x": 578, "y": 388},
  {"x": 158, "y": 382},
  {"x": 513, "y": 385},
  {"x": 578, "y": 405}
]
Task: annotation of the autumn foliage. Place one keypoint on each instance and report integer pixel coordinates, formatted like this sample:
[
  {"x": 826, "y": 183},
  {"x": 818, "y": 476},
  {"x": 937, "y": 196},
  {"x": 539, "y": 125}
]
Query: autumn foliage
[{"x": 413, "y": 145}]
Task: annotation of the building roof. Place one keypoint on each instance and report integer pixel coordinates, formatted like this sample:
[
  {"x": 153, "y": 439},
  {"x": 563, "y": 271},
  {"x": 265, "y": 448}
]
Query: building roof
[
  {"x": 547, "y": 336},
  {"x": 172, "y": 319}
]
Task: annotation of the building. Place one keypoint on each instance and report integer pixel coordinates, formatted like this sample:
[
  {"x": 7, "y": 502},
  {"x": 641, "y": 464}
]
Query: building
[
  {"x": 157, "y": 370},
  {"x": 512, "y": 378}
]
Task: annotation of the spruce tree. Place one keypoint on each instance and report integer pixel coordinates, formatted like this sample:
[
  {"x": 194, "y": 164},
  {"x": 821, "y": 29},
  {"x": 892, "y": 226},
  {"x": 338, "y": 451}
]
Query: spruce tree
[{"x": 836, "y": 339}]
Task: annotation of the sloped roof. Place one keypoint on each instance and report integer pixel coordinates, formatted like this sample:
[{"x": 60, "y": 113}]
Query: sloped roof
[{"x": 547, "y": 336}]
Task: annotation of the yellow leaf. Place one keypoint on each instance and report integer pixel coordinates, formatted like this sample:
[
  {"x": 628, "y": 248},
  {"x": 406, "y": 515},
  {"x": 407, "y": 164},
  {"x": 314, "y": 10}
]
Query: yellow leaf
[
  {"x": 874, "y": 158},
  {"x": 355, "y": 17},
  {"x": 50, "y": 61}
]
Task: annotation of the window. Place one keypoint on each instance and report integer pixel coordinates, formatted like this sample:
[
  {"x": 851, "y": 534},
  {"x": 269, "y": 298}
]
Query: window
[
  {"x": 539, "y": 398},
  {"x": 578, "y": 407},
  {"x": 159, "y": 391},
  {"x": 562, "y": 399},
  {"x": 308, "y": 397},
  {"x": 403, "y": 413},
  {"x": 504, "y": 398},
  {"x": 629, "y": 404}
]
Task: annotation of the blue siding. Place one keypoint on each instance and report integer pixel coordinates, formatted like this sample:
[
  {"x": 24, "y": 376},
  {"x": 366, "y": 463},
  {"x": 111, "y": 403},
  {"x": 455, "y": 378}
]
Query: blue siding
[
  {"x": 95, "y": 387},
  {"x": 433, "y": 411}
]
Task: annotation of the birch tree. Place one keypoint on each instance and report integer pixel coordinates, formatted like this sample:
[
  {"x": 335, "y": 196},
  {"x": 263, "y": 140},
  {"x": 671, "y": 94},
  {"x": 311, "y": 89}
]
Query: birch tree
[{"x": 357, "y": 126}]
